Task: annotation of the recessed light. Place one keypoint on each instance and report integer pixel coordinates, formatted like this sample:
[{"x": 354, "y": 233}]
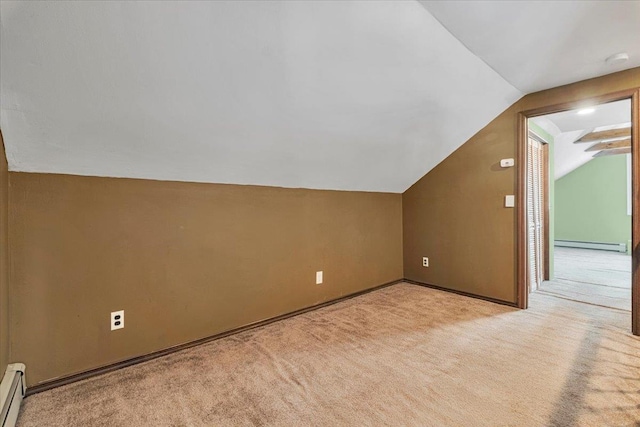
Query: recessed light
[
  {"x": 617, "y": 58},
  {"x": 584, "y": 111}
]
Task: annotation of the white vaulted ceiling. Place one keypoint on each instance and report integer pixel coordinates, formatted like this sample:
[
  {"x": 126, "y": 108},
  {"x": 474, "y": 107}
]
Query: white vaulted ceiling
[
  {"x": 348, "y": 95},
  {"x": 332, "y": 95},
  {"x": 538, "y": 45},
  {"x": 568, "y": 126}
]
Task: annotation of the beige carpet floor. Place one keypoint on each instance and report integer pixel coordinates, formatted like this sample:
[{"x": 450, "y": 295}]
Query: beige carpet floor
[{"x": 400, "y": 356}]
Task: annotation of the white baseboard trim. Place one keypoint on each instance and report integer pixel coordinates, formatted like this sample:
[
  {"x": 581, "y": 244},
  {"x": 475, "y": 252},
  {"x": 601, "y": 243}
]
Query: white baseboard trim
[{"x": 615, "y": 247}]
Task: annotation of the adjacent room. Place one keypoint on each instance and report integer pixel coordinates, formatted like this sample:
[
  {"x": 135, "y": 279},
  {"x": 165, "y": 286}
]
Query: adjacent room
[
  {"x": 319, "y": 213},
  {"x": 581, "y": 223}
]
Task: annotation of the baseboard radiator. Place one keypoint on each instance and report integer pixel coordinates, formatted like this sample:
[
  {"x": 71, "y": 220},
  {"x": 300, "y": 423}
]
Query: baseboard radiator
[
  {"x": 12, "y": 391},
  {"x": 615, "y": 247}
]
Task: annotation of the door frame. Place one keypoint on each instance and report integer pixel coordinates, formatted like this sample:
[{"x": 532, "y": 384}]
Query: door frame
[{"x": 521, "y": 188}]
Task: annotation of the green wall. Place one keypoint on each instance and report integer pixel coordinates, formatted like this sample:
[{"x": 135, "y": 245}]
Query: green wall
[{"x": 591, "y": 202}]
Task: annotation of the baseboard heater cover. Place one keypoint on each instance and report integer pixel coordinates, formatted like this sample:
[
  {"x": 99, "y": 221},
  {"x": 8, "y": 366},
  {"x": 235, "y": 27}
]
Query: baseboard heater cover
[
  {"x": 12, "y": 391},
  {"x": 615, "y": 247}
]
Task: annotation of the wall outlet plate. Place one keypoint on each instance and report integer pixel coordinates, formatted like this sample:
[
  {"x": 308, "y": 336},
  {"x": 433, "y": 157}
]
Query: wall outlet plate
[
  {"x": 425, "y": 261},
  {"x": 117, "y": 320},
  {"x": 318, "y": 277}
]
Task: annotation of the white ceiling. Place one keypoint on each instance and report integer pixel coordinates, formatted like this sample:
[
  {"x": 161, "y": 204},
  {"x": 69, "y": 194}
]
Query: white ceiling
[
  {"x": 568, "y": 126},
  {"x": 609, "y": 114},
  {"x": 331, "y": 95},
  {"x": 537, "y": 45}
]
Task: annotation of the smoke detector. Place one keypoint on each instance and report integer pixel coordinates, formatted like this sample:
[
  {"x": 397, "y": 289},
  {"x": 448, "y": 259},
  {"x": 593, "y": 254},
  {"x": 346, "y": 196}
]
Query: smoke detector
[{"x": 617, "y": 58}]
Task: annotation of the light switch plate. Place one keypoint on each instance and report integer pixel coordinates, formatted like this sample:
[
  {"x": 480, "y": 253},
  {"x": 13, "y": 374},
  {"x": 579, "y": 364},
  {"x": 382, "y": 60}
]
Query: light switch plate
[
  {"x": 509, "y": 201},
  {"x": 318, "y": 277},
  {"x": 507, "y": 163}
]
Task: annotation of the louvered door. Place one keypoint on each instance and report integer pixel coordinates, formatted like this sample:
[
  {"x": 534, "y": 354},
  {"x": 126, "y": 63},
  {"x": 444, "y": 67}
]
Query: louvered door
[{"x": 535, "y": 212}]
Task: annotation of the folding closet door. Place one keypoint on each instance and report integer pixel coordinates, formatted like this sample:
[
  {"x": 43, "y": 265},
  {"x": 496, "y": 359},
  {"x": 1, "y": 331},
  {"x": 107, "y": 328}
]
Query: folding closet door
[{"x": 535, "y": 212}]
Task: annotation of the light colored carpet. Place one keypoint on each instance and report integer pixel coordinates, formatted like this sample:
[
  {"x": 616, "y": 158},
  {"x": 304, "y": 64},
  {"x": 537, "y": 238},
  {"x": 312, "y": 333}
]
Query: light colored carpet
[
  {"x": 403, "y": 355},
  {"x": 592, "y": 276}
]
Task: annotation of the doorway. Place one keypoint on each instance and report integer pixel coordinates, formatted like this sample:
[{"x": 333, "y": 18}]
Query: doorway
[{"x": 550, "y": 258}]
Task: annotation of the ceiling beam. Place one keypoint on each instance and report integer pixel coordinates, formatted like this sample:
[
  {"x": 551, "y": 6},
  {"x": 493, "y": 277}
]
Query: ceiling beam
[
  {"x": 608, "y": 145},
  {"x": 605, "y": 134},
  {"x": 613, "y": 152}
]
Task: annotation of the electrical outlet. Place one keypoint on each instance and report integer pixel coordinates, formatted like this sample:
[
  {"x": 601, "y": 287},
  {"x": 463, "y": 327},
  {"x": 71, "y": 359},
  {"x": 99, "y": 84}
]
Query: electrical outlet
[
  {"x": 117, "y": 320},
  {"x": 425, "y": 261},
  {"x": 318, "y": 277}
]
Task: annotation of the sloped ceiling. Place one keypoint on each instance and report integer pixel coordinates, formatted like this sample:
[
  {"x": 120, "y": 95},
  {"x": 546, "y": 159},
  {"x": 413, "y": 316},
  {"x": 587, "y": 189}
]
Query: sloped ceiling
[
  {"x": 329, "y": 95},
  {"x": 568, "y": 126},
  {"x": 537, "y": 45}
]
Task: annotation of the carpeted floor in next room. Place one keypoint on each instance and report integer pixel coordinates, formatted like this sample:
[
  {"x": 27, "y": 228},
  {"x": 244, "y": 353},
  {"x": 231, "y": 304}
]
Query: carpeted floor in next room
[
  {"x": 591, "y": 276},
  {"x": 402, "y": 355}
]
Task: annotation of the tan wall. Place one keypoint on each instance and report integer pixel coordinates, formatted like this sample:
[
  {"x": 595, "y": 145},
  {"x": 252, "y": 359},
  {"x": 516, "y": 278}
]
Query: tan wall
[
  {"x": 183, "y": 260},
  {"x": 4, "y": 260},
  {"x": 455, "y": 214},
  {"x": 186, "y": 260}
]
